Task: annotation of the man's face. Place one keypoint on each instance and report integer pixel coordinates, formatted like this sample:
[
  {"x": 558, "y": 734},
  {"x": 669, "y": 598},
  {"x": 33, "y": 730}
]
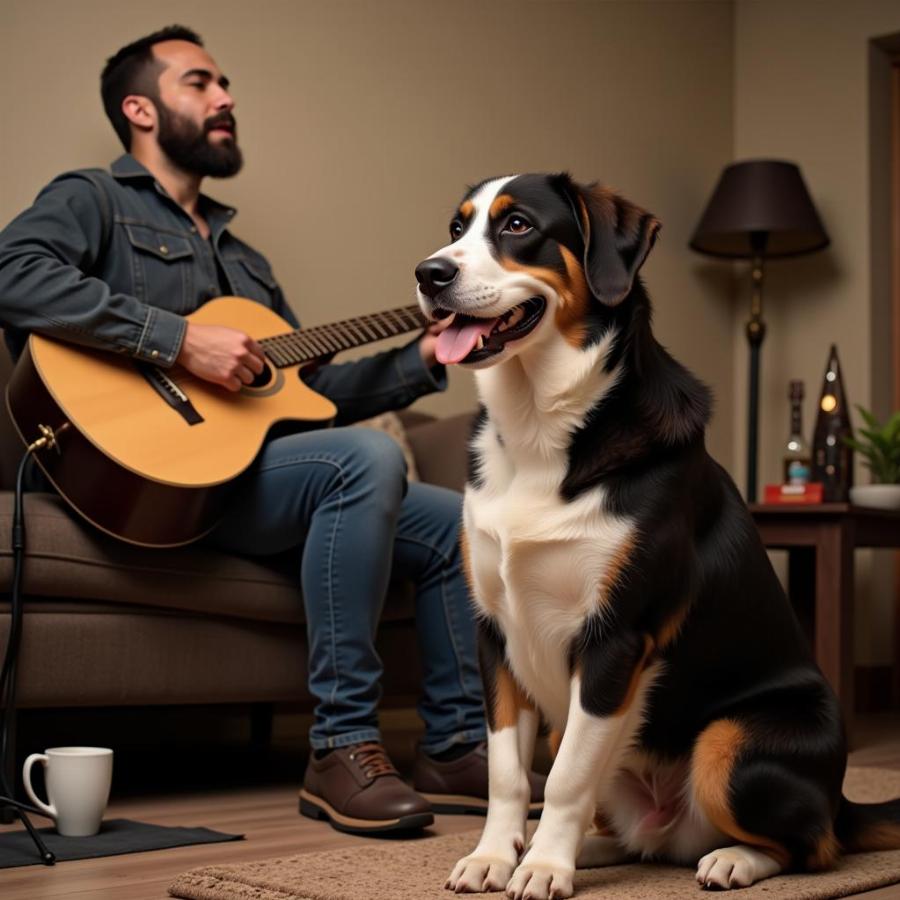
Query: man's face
[{"x": 196, "y": 130}]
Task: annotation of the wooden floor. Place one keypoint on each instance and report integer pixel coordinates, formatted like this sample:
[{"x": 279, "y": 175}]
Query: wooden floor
[{"x": 267, "y": 814}]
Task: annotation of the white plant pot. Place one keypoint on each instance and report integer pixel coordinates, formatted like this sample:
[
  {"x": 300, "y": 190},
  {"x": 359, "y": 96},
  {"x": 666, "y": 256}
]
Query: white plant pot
[{"x": 880, "y": 496}]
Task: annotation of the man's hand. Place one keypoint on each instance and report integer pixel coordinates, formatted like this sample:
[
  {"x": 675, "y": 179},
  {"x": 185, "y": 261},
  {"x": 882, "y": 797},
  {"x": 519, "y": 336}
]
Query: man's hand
[
  {"x": 225, "y": 356},
  {"x": 428, "y": 341}
]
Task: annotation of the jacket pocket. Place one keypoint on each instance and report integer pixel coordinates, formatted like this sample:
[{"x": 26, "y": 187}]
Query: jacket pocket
[
  {"x": 162, "y": 266},
  {"x": 252, "y": 278},
  {"x": 260, "y": 271}
]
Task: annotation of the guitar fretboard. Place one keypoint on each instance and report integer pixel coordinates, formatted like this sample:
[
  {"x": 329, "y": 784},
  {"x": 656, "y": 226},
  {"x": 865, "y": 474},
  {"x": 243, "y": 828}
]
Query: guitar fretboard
[{"x": 306, "y": 344}]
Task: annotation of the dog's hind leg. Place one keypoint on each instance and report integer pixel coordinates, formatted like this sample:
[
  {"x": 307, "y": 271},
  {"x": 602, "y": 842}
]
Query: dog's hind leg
[
  {"x": 738, "y": 866},
  {"x": 775, "y": 807}
]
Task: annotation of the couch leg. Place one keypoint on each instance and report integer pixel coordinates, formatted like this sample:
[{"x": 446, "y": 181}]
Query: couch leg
[
  {"x": 7, "y": 813},
  {"x": 262, "y": 716}
]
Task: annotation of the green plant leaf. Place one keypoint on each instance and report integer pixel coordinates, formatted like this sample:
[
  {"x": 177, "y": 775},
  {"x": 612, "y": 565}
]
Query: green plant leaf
[{"x": 870, "y": 419}]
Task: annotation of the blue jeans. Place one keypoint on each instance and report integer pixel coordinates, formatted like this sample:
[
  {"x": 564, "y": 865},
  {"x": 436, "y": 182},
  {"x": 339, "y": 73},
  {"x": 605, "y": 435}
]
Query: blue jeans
[{"x": 340, "y": 497}]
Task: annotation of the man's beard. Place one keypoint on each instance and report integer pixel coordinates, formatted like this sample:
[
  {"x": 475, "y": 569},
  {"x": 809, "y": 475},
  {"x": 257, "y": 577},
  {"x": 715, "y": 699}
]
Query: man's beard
[{"x": 189, "y": 147}]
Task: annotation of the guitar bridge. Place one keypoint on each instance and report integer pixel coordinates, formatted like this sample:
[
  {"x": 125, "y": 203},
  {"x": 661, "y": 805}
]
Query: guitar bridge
[{"x": 170, "y": 392}]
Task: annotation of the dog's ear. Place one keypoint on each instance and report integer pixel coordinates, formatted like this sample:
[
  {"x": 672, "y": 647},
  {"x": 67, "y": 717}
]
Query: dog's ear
[{"x": 617, "y": 238}]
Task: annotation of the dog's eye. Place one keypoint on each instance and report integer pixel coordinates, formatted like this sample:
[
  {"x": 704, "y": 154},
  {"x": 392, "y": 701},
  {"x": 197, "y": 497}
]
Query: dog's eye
[
  {"x": 456, "y": 229},
  {"x": 517, "y": 225}
]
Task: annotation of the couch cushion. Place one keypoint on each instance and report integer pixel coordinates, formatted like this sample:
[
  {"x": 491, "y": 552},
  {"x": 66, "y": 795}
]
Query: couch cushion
[{"x": 66, "y": 558}]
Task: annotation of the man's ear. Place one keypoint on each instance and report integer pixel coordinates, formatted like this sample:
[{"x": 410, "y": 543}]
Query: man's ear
[
  {"x": 140, "y": 111},
  {"x": 617, "y": 236}
]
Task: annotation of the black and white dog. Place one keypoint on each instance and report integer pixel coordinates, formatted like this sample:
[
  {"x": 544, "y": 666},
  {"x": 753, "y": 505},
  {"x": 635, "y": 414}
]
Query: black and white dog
[{"x": 621, "y": 586}]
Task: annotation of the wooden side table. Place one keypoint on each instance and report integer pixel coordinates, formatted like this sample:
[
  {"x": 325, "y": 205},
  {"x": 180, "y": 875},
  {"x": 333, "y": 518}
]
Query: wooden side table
[{"x": 820, "y": 540}]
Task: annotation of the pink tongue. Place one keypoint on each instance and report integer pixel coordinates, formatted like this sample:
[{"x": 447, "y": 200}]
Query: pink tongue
[{"x": 457, "y": 341}]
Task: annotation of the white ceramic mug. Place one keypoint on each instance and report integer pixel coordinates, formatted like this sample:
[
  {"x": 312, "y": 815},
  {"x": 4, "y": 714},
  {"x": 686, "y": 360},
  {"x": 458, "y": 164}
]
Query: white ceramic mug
[{"x": 78, "y": 781}]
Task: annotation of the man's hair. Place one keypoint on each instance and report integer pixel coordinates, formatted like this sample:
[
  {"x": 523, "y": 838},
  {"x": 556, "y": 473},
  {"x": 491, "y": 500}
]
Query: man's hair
[{"x": 134, "y": 70}]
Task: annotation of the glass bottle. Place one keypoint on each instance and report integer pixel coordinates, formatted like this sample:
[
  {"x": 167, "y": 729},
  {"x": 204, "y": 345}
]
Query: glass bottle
[{"x": 797, "y": 457}]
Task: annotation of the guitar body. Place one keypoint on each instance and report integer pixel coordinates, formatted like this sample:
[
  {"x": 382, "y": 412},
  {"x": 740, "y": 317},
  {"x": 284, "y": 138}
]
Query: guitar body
[{"x": 143, "y": 469}]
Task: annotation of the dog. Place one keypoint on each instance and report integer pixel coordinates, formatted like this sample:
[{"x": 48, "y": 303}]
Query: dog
[{"x": 621, "y": 588}]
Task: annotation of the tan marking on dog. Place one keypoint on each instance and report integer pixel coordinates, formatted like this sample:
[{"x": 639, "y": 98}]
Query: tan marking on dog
[
  {"x": 502, "y": 202},
  {"x": 600, "y": 824},
  {"x": 878, "y": 836},
  {"x": 585, "y": 220},
  {"x": 466, "y": 209},
  {"x": 671, "y": 628},
  {"x": 571, "y": 315},
  {"x": 712, "y": 763},
  {"x": 509, "y": 699},
  {"x": 826, "y": 853},
  {"x": 644, "y": 661},
  {"x": 614, "y": 570},
  {"x": 466, "y": 560},
  {"x": 572, "y": 290},
  {"x": 554, "y": 739}
]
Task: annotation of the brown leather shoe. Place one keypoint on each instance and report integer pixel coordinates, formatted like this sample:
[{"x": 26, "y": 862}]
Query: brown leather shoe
[
  {"x": 461, "y": 785},
  {"x": 358, "y": 790}
]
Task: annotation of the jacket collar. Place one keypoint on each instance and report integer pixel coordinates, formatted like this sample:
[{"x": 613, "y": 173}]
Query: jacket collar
[{"x": 127, "y": 168}]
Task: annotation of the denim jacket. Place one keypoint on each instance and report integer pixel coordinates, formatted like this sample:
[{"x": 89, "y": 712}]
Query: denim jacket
[{"x": 123, "y": 278}]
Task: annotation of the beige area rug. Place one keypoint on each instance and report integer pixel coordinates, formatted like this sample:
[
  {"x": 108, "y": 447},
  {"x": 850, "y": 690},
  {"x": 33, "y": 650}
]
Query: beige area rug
[{"x": 415, "y": 870}]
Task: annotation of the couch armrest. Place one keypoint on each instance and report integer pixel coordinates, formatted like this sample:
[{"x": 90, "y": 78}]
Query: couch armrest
[{"x": 441, "y": 449}]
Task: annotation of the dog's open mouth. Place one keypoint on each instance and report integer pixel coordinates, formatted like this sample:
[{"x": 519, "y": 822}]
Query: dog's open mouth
[{"x": 469, "y": 339}]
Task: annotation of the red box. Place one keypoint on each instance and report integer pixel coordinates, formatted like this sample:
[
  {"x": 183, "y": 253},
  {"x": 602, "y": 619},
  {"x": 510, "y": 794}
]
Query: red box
[{"x": 794, "y": 493}]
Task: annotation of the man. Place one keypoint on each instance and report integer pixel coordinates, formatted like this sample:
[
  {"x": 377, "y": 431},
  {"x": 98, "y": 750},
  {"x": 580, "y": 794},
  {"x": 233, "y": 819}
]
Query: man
[{"x": 116, "y": 262}]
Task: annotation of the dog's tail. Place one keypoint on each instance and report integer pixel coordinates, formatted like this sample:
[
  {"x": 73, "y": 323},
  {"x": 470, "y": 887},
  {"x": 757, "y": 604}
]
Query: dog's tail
[{"x": 868, "y": 826}]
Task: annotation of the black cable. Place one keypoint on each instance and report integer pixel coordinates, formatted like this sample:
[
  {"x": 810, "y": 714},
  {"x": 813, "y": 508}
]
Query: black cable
[{"x": 8, "y": 672}]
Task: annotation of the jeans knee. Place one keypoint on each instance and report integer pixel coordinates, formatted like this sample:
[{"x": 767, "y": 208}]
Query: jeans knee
[{"x": 378, "y": 458}]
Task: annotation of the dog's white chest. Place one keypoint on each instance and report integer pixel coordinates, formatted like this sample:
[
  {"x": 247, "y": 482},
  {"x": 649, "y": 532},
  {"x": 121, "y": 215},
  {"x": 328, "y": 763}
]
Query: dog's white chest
[{"x": 541, "y": 567}]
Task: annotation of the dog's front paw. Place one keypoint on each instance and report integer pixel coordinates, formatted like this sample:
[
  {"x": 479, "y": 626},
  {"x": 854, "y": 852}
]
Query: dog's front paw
[
  {"x": 536, "y": 880},
  {"x": 480, "y": 872}
]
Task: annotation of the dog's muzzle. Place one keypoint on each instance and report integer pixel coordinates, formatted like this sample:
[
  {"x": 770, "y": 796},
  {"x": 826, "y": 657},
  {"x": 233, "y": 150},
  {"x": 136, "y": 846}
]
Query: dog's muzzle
[{"x": 435, "y": 274}]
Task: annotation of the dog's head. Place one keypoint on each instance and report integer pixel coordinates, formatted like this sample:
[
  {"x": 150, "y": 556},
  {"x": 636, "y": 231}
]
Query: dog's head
[{"x": 532, "y": 257}]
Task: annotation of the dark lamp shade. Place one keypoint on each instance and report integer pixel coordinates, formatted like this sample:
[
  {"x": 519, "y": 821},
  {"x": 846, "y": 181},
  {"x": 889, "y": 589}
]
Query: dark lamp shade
[{"x": 760, "y": 207}]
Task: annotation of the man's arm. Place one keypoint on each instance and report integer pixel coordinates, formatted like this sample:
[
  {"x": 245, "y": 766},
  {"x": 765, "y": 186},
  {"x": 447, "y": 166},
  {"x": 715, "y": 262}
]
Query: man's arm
[
  {"x": 379, "y": 383},
  {"x": 46, "y": 256}
]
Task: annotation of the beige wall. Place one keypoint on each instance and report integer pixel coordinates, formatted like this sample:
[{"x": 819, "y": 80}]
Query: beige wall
[
  {"x": 802, "y": 92},
  {"x": 362, "y": 123}
]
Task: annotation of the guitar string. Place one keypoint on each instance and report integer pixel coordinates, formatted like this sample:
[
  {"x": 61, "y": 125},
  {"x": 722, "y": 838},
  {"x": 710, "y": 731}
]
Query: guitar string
[{"x": 287, "y": 344}]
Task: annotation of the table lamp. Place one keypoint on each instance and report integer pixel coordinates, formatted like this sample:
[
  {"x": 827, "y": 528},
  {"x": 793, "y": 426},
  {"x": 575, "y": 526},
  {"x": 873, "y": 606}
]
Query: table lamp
[{"x": 760, "y": 209}]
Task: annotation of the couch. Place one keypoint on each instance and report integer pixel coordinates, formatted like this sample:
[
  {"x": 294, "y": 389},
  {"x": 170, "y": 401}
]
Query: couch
[{"x": 112, "y": 624}]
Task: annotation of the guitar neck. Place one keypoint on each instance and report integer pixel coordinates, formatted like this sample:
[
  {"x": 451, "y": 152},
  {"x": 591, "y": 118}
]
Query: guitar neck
[{"x": 306, "y": 344}]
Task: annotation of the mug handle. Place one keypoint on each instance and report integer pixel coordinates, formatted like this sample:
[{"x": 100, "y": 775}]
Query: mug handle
[{"x": 26, "y": 779}]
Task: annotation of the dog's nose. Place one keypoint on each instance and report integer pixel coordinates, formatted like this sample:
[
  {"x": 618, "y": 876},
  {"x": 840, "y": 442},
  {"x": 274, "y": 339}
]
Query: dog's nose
[{"x": 435, "y": 274}]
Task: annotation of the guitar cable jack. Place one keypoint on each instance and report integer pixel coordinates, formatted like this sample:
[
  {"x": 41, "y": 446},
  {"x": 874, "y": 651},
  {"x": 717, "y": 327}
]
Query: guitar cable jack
[{"x": 47, "y": 440}]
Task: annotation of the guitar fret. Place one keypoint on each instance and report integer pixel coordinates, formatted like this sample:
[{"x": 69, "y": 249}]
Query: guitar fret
[
  {"x": 354, "y": 333},
  {"x": 304, "y": 348},
  {"x": 305, "y": 344},
  {"x": 336, "y": 337},
  {"x": 333, "y": 334},
  {"x": 368, "y": 331},
  {"x": 390, "y": 321},
  {"x": 377, "y": 329},
  {"x": 274, "y": 352},
  {"x": 317, "y": 341}
]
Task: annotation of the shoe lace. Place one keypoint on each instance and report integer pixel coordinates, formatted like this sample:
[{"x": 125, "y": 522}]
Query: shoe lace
[{"x": 373, "y": 760}]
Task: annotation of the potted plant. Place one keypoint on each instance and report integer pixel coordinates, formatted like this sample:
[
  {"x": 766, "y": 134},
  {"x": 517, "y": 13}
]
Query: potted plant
[{"x": 880, "y": 446}]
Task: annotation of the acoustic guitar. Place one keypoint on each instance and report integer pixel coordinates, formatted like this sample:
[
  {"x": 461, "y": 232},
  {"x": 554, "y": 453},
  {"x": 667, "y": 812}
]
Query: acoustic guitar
[{"x": 147, "y": 454}]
